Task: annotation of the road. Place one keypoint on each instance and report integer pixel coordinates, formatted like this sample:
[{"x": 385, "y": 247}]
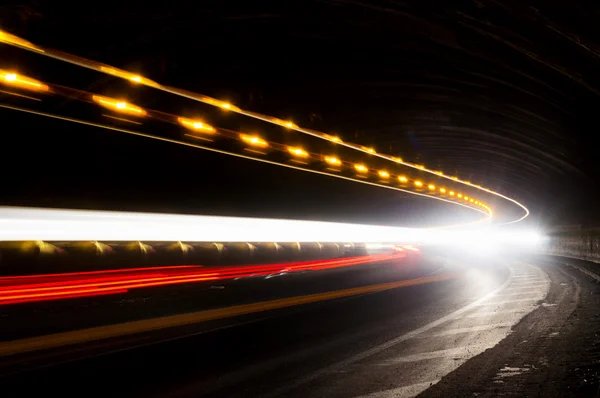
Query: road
[{"x": 487, "y": 329}]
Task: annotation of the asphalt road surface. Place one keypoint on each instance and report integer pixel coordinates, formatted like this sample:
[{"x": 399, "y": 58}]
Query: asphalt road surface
[{"x": 520, "y": 327}]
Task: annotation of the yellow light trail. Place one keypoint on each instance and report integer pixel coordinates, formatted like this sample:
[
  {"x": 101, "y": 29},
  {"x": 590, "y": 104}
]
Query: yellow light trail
[
  {"x": 361, "y": 168},
  {"x": 296, "y": 151},
  {"x": 196, "y": 125},
  {"x": 118, "y": 105},
  {"x": 19, "y": 42},
  {"x": 193, "y": 124},
  {"x": 332, "y": 138},
  {"x": 17, "y": 80},
  {"x": 367, "y": 149},
  {"x": 19, "y": 95},
  {"x": 121, "y": 119},
  {"x": 254, "y": 140},
  {"x": 189, "y": 144},
  {"x": 13, "y": 40},
  {"x": 384, "y": 174},
  {"x": 332, "y": 160}
]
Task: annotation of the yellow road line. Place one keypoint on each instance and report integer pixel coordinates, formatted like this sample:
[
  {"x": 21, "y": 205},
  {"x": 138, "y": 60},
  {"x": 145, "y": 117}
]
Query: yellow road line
[{"x": 129, "y": 328}]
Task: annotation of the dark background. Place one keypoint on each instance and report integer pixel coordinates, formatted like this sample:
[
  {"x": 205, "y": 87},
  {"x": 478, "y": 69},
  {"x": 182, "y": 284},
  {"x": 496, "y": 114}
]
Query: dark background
[{"x": 503, "y": 93}]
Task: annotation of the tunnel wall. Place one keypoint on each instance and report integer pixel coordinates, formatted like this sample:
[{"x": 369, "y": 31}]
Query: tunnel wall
[{"x": 574, "y": 242}]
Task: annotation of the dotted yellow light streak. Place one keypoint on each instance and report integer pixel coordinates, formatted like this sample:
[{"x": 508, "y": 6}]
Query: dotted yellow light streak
[
  {"x": 252, "y": 140},
  {"x": 487, "y": 214},
  {"x": 197, "y": 125},
  {"x": 224, "y": 105},
  {"x": 193, "y": 124}
]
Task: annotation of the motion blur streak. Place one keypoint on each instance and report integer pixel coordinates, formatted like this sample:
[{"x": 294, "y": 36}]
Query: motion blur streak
[
  {"x": 197, "y": 126},
  {"x": 488, "y": 214},
  {"x": 23, "y": 82},
  {"x": 31, "y": 224},
  {"x": 13, "y": 40},
  {"x": 11, "y": 279},
  {"x": 17, "y": 41},
  {"x": 62, "y": 286}
]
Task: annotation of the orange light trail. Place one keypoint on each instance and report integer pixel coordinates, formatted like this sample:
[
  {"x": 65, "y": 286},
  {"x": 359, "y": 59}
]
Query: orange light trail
[
  {"x": 196, "y": 125},
  {"x": 118, "y": 105},
  {"x": 17, "y": 80},
  {"x": 199, "y": 126},
  {"x": 359, "y": 167},
  {"x": 86, "y": 63},
  {"x": 202, "y": 127}
]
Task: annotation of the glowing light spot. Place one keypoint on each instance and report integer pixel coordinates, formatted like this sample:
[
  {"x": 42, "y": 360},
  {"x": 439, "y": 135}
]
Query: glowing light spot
[
  {"x": 332, "y": 160},
  {"x": 196, "y": 125},
  {"x": 254, "y": 140},
  {"x": 297, "y": 151},
  {"x": 361, "y": 168}
]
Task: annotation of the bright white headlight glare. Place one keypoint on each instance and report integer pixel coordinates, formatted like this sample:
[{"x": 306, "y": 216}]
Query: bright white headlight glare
[
  {"x": 19, "y": 224},
  {"x": 22, "y": 224}
]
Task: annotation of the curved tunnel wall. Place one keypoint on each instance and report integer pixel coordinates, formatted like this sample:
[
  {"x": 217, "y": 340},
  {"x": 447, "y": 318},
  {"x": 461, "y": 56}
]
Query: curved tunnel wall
[{"x": 574, "y": 242}]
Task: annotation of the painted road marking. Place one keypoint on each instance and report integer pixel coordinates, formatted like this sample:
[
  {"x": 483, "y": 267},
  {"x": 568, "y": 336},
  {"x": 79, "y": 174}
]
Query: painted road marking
[
  {"x": 351, "y": 369},
  {"x": 406, "y": 391},
  {"x": 528, "y": 283},
  {"x": 511, "y": 301},
  {"x": 518, "y": 294},
  {"x": 135, "y": 327},
  {"x": 382, "y": 347},
  {"x": 525, "y": 277},
  {"x": 454, "y": 353},
  {"x": 524, "y": 288},
  {"x": 492, "y": 313},
  {"x": 470, "y": 329}
]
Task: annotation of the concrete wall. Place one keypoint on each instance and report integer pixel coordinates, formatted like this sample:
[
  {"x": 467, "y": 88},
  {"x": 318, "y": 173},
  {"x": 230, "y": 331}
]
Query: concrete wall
[{"x": 575, "y": 242}]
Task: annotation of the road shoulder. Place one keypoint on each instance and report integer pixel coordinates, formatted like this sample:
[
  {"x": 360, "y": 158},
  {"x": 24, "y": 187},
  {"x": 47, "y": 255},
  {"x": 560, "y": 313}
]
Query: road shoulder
[{"x": 553, "y": 351}]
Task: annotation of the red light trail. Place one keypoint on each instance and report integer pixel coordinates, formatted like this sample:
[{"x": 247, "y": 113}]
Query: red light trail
[{"x": 32, "y": 288}]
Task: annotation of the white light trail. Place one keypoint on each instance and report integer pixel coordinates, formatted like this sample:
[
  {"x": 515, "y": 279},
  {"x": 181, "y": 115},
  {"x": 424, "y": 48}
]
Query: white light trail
[
  {"x": 20, "y": 224},
  {"x": 36, "y": 224}
]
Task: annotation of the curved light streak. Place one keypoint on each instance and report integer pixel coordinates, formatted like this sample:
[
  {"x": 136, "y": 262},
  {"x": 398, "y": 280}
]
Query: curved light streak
[
  {"x": 26, "y": 224},
  {"x": 189, "y": 144},
  {"x": 197, "y": 126},
  {"x": 137, "y": 79}
]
